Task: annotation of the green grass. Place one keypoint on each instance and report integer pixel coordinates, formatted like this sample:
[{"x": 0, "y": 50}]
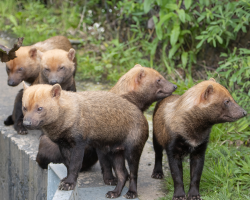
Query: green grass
[
  {"x": 33, "y": 21},
  {"x": 225, "y": 176}
]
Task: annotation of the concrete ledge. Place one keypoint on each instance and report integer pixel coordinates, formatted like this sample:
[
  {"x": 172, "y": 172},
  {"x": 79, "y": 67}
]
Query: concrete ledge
[
  {"x": 56, "y": 172},
  {"x": 20, "y": 175}
]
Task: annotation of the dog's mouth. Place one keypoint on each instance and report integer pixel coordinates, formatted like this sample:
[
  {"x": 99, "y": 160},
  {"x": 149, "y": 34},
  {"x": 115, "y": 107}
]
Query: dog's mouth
[
  {"x": 34, "y": 127},
  {"x": 161, "y": 92},
  {"x": 231, "y": 119}
]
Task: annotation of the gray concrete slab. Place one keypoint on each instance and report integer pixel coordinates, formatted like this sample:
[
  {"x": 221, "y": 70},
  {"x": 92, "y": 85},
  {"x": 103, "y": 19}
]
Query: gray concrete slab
[
  {"x": 98, "y": 193},
  {"x": 20, "y": 176}
]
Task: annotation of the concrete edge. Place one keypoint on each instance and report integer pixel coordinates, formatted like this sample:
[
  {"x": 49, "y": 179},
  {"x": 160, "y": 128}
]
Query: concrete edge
[{"x": 56, "y": 172}]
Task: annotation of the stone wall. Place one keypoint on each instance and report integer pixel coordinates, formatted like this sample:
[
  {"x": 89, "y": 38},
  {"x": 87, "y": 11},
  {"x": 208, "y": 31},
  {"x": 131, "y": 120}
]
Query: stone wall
[{"x": 20, "y": 176}]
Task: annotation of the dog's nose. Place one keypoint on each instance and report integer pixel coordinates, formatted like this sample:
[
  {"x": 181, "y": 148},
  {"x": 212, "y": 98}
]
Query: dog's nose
[
  {"x": 53, "y": 82},
  {"x": 244, "y": 113},
  {"x": 27, "y": 123},
  {"x": 11, "y": 83}
]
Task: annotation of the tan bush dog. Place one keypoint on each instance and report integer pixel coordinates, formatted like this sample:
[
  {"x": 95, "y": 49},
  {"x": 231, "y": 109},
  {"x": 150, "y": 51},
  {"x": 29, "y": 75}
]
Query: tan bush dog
[
  {"x": 56, "y": 66},
  {"x": 181, "y": 126},
  {"x": 141, "y": 86},
  {"x": 26, "y": 66},
  {"x": 103, "y": 120}
]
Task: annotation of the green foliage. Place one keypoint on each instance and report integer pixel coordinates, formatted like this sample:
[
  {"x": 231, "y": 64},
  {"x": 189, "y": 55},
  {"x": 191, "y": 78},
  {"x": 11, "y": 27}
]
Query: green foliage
[
  {"x": 225, "y": 175},
  {"x": 186, "y": 25},
  {"x": 234, "y": 73},
  {"x": 33, "y": 21},
  {"x": 181, "y": 30}
]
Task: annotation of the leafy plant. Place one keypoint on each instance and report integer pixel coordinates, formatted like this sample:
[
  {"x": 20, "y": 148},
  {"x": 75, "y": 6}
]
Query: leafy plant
[
  {"x": 234, "y": 73},
  {"x": 225, "y": 174},
  {"x": 184, "y": 26}
]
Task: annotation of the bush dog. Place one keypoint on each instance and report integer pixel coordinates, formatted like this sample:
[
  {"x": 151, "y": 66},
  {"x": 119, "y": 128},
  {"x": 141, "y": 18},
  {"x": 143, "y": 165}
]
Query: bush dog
[
  {"x": 141, "y": 86},
  {"x": 181, "y": 126},
  {"x": 103, "y": 120},
  {"x": 25, "y": 67},
  {"x": 56, "y": 66}
]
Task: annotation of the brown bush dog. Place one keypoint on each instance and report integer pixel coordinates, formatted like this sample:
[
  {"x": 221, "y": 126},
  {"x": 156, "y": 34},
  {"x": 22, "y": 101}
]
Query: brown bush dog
[
  {"x": 181, "y": 126},
  {"x": 141, "y": 86},
  {"x": 56, "y": 66},
  {"x": 108, "y": 122},
  {"x": 26, "y": 66}
]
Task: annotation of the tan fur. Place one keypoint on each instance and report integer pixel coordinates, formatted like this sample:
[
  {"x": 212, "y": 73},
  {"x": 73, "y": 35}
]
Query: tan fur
[
  {"x": 145, "y": 91},
  {"x": 51, "y": 63},
  {"x": 142, "y": 86},
  {"x": 30, "y": 64},
  {"x": 129, "y": 81},
  {"x": 70, "y": 106},
  {"x": 182, "y": 126},
  {"x": 172, "y": 108},
  {"x": 100, "y": 119}
]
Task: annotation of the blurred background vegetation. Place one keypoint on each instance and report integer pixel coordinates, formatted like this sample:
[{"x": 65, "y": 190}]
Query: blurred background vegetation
[{"x": 186, "y": 40}]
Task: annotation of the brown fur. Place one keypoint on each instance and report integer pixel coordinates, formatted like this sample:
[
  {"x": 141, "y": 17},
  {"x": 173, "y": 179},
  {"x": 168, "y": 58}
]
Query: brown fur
[
  {"x": 182, "y": 124},
  {"x": 140, "y": 86},
  {"x": 173, "y": 110},
  {"x": 107, "y": 122},
  {"x": 143, "y": 86},
  {"x": 26, "y": 65},
  {"x": 57, "y": 66},
  {"x": 52, "y": 62}
]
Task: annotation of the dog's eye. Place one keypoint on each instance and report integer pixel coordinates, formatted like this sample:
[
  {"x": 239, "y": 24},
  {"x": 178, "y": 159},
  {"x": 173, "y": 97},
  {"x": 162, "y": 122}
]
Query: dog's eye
[
  {"x": 62, "y": 67},
  {"x": 20, "y": 69},
  {"x": 39, "y": 109},
  {"x": 24, "y": 109},
  {"x": 227, "y": 102},
  {"x": 158, "y": 80}
]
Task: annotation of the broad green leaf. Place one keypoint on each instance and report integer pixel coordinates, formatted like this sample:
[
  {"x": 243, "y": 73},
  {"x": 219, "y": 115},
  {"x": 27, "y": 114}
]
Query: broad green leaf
[
  {"x": 243, "y": 127},
  {"x": 220, "y": 40},
  {"x": 200, "y": 43},
  {"x": 154, "y": 46},
  {"x": 147, "y": 4},
  {"x": 173, "y": 50},
  {"x": 201, "y": 18},
  {"x": 13, "y": 19},
  {"x": 181, "y": 14},
  {"x": 158, "y": 28},
  {"x": 214, "y": 42},
  {"x": 174, "y": 35},
  {"x": 188, "y": 3},
  {"x": 185, "y": 32},
  {"x": 223, "y": 55},
  {"x": 207, "y": 2},
  {"x": 244, "y": 51},
  {"x": 155, "y": 19},
  {"x": 166, "y": 17},
  {"x": 171, "y": 6},
  {"x": 158, "y": 31},
  {"x": 159, "y": 24},
  {"x": 200, "y": 37},
  {"x": 184, "y": 58},
  {"x": 188, "y": 18}
]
